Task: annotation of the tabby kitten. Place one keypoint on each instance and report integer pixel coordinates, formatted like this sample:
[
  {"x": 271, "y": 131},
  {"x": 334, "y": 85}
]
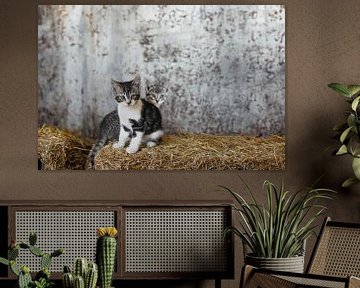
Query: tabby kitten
[
  {"x": 109, "y": 131},
  {"x": 140, "y": 120},
  {"x": 156, "y": 94},
  {"x": 110, "y": 125}
]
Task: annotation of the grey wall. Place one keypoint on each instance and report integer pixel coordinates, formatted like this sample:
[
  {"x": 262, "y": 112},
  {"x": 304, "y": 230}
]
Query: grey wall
[{"x": 224, "y": 65}]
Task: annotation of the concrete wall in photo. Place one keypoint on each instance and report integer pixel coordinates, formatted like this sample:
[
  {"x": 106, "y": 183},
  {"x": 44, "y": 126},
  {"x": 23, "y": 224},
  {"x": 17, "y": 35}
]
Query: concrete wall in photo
[{"x": 223, "y": 65}]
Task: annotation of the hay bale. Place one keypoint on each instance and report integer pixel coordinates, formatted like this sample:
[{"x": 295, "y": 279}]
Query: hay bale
[
  {"x": 199, "y": 151},
  {"x": 61, "y": 149}
]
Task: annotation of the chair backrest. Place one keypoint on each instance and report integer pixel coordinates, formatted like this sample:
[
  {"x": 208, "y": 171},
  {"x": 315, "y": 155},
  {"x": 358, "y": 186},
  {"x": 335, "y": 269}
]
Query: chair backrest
[{"x": 337, "y": 251}]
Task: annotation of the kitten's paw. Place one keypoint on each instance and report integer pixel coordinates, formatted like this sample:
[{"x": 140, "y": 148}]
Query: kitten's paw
[
  {"x": 118, "y": 145},
  {"x": 132, "y": 150},
  {"x": 151, "y": 144}
]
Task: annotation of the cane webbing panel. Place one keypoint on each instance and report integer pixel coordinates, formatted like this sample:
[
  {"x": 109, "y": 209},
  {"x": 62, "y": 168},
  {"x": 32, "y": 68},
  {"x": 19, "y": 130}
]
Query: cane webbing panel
[
  {"x": 175, "y": 241},
  {"x": 338, "y": 252},
  {"x": 267, "y": 280},
  {"x": 305, "y": 282},
  {"x": 75, "y": 231}
]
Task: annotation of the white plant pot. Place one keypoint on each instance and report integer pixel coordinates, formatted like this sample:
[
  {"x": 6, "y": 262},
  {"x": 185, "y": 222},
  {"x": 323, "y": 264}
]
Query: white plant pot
[{"x": 291, "y": 264}]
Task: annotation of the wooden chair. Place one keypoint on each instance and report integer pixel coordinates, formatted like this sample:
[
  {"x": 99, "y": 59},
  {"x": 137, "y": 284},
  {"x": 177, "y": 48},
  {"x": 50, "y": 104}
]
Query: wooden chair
[{"x": 335, "y": 262}]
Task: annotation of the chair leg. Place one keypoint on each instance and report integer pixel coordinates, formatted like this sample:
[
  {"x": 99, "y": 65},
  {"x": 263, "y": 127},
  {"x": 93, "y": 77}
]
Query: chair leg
[
  {"x": 246, "y": 273},
  {"x": 217, "y": 283},
  {"x": 251, "y": 279},
  {"x": 354, "y": 282}
]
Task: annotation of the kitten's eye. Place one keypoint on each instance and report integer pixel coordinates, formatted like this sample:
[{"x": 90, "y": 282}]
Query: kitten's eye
[{"x": 120, "y": 98}]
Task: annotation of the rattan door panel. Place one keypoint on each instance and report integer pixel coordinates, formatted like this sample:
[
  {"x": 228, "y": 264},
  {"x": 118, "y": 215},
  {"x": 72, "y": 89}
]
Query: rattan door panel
[
  {"x": 73, "y": 230},
  {"x": 172, "y": 241}
]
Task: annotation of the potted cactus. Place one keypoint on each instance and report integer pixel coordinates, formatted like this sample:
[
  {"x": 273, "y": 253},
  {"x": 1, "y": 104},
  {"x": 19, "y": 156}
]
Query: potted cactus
[
  {"x": 84, "y": 275},
  {"x": 106, "y": 254},
  {"x": 42, "y": 278}
]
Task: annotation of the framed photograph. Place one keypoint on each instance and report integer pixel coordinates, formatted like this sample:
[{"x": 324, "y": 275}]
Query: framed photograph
[{"x": 161, "y": 87}]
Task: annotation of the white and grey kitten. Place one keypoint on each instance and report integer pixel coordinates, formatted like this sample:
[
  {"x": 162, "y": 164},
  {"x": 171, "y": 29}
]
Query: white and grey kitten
[
  {"x": 110, "y": 124},
  {"x": 140, "y": 120}
]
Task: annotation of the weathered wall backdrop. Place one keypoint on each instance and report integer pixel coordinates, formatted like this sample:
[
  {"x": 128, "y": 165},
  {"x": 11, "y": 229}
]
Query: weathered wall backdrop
[{"x": 224, "y": 65}]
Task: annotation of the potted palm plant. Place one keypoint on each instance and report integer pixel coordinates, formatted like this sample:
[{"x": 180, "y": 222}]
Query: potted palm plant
[
  {"x": 348, "y": 133},
  {"x": 275, "y": 234}
]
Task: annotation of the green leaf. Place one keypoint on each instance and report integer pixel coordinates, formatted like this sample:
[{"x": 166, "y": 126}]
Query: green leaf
[
  {"x": 345, "y": 134},
  {"x": 353, "y": 89},
  {"x": 351, "y": 120},
  {"x": 341, "y": 89},
  {"x": 349, "y": 182},
  {"x": 355, "y": 103},
  {"x": 14, "y": 268},
  {"x": 356, "y": 167},
  {"x": 342, "y": 150},
  {"x": 4, "y": 261},
  {"x": 354, "y": 145}
]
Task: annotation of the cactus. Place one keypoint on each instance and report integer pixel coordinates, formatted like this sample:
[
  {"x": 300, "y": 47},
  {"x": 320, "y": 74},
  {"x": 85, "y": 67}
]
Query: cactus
[
  {"x": 24, "y": 245},
  {"x": 13, "y": 253},
  {"x": 36, "y": 251},
  {"x": 57, "y": 252},
  {"x": 79, "y": 282},
  {"x": 67, "y": 269},
  {"x": 80, "y": 268},
  {"x": 45, "y": 261},
  {"x": 24, "y": 278},
  {"x": 68, "y": 280},
  {"x": 105, "y": 254},
  {"x": 44, "y": 273},
  {"x": 91, "y": 276},
  {"x": 32, "y": 238},
  {"x": 87, "y": 272}
]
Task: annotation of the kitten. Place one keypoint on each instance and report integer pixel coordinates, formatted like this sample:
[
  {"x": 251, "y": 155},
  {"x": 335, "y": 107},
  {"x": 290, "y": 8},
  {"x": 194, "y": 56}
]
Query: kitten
[
  {"x": 110, "y": 125},
  {"x": 155, "y": 94},
  {"x": 109, "y": 131},
  {"x": 140, "y": 120}
]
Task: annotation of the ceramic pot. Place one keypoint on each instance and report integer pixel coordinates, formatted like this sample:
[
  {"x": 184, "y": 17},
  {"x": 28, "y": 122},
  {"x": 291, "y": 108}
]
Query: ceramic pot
[{"x": 291, "y": 264}]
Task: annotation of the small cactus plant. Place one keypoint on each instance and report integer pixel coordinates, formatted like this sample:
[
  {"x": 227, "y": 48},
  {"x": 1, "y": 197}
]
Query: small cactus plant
[
  {"x": 106, "y": 254},
  {"x": 85, "y": 275},
  {"x": 81, "y": 267},
  {"x": 42, "y": 278},
  {"x": 79, "y": 282}
]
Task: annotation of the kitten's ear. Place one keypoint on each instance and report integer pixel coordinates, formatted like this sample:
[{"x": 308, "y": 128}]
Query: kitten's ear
[
  {"x": 114, "y": 87},
  {"x": 150, "y": 88},
  {"x": 114, "y": 83},
  {"x": 136, "y": 80},
  {"x": 165, "y": 89},
  {"x": 168, "y": 86}
]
